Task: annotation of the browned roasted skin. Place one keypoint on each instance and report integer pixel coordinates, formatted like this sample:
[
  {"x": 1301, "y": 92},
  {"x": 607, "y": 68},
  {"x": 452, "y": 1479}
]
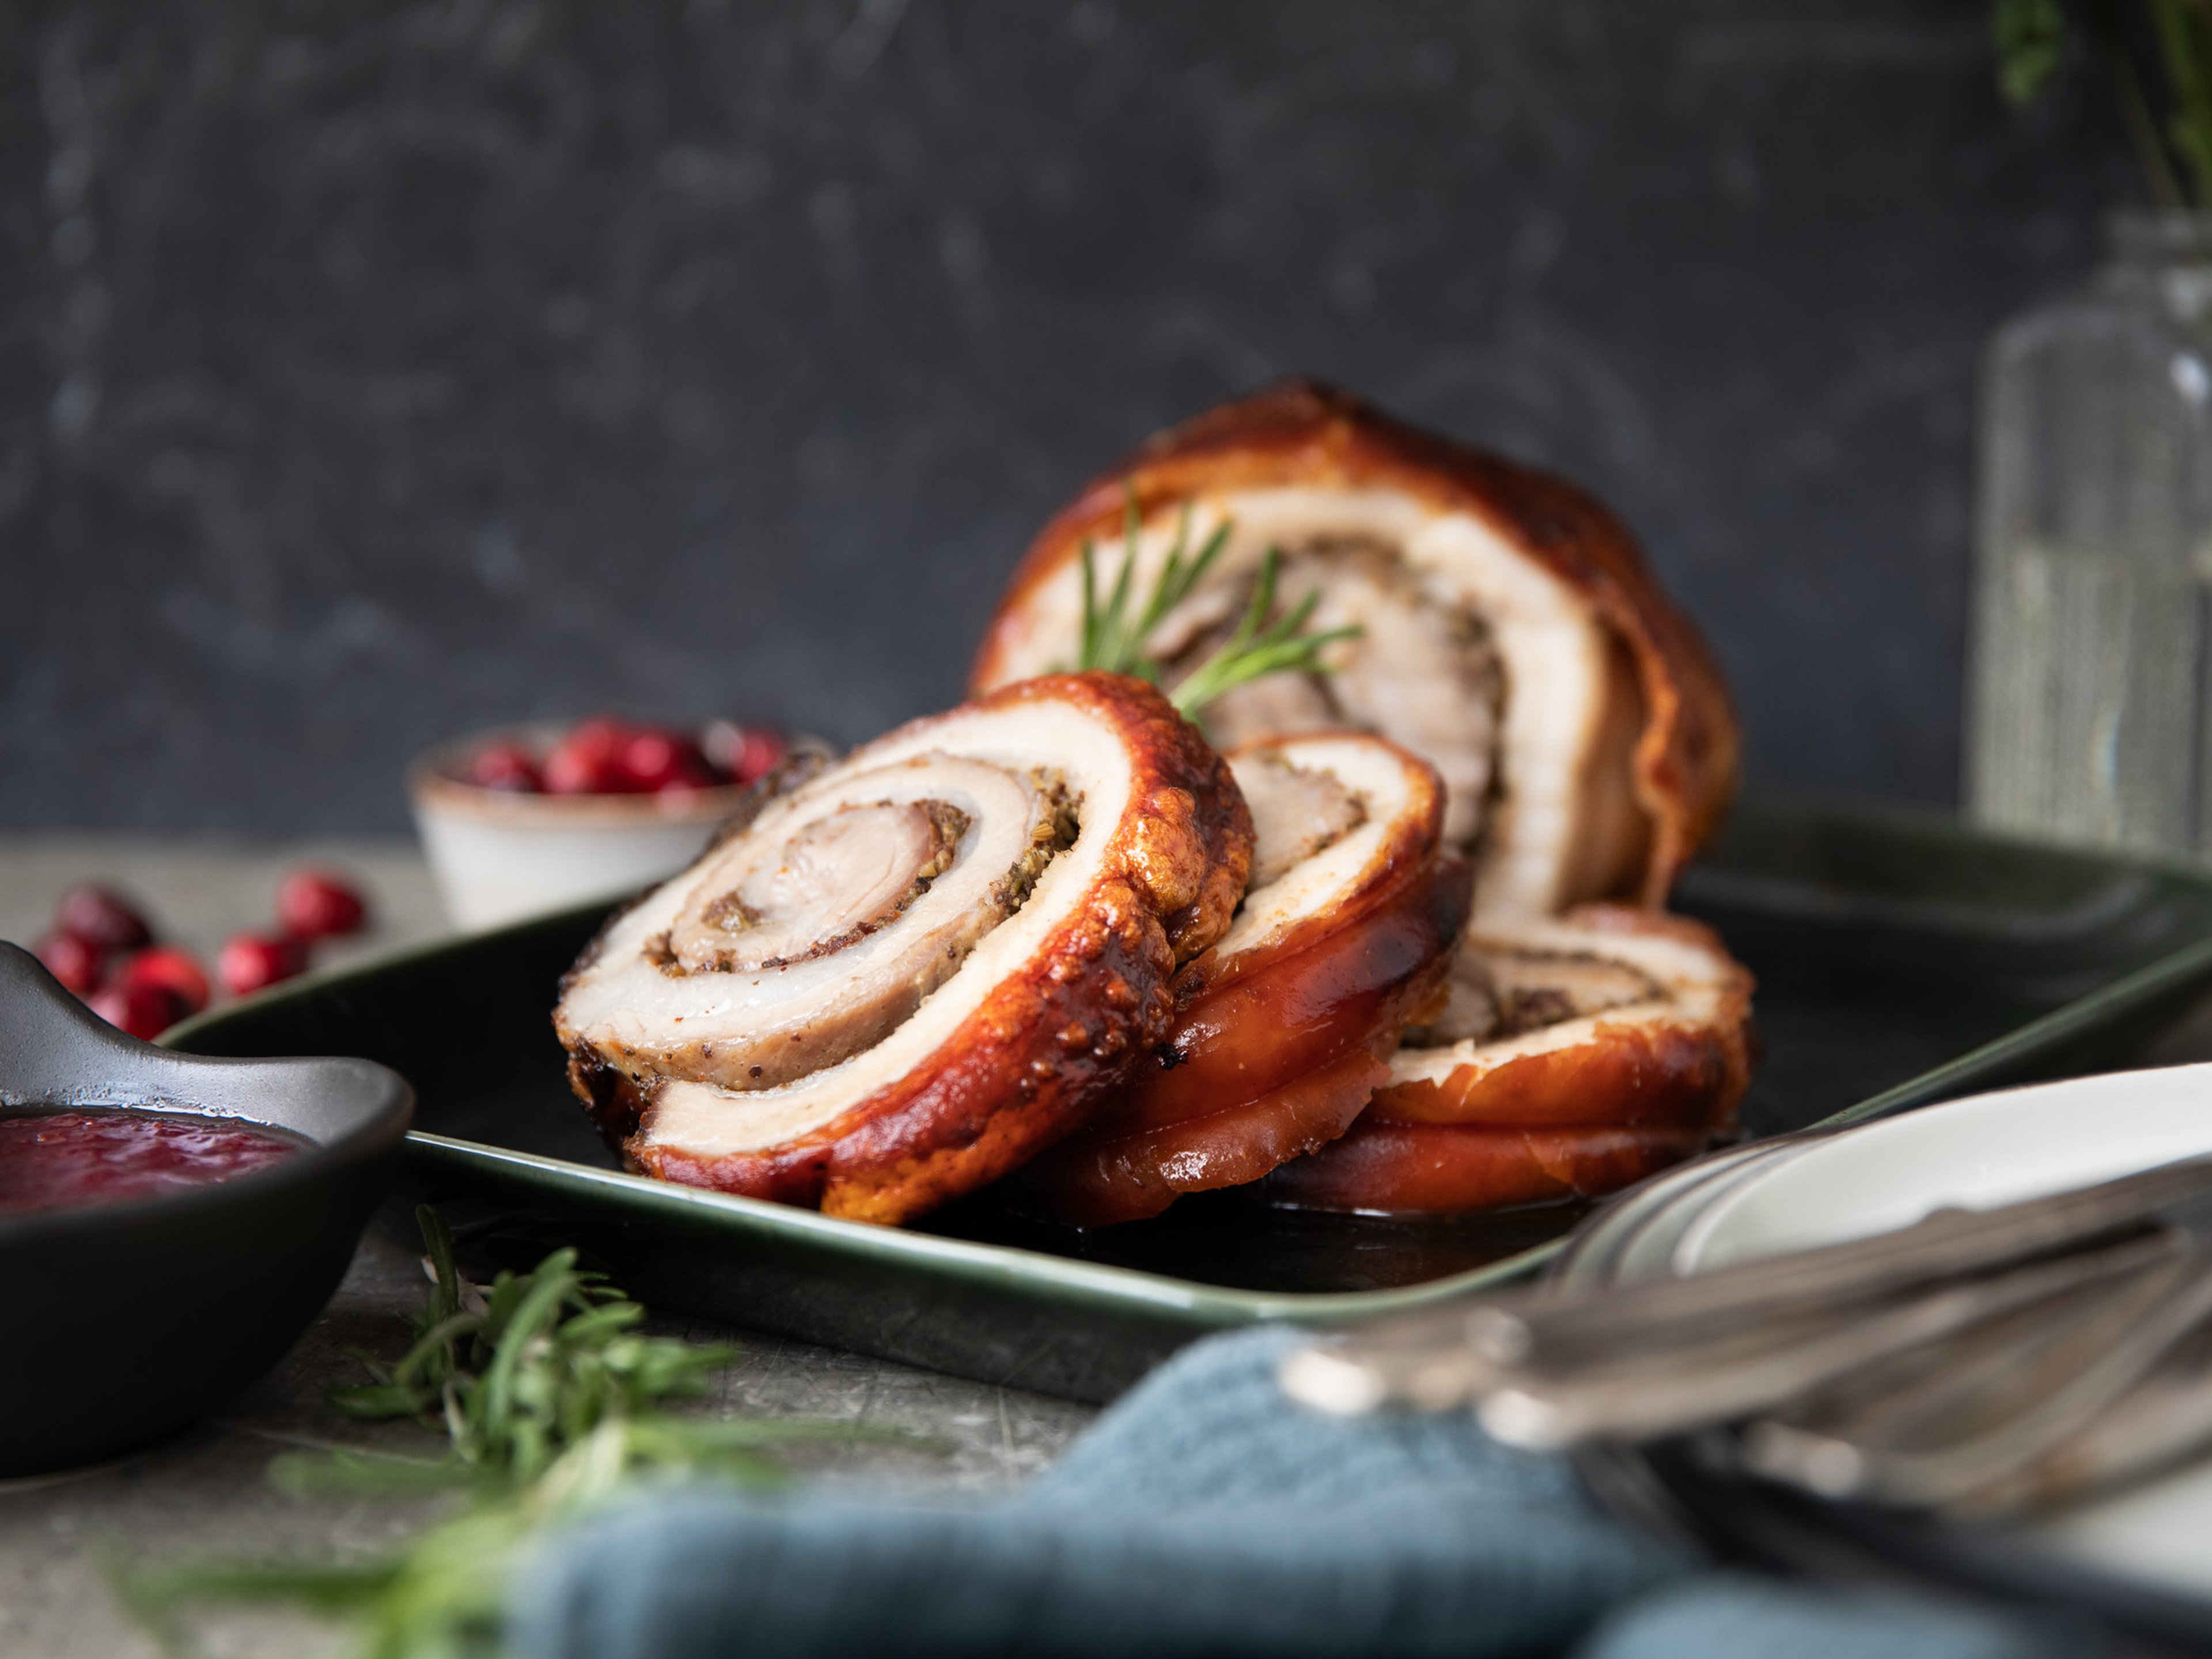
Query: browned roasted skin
[
  {"x": 1278, "y": 1046},
  {"x": 1049, "y": 1041},
  {"x": 610, "y": 1100},
  {"x": 1301, "y": 432},
  {"x": 1639, "y": 1092},
  {"x": 1270, "y": 1066},
  {"x": 1439, "y": 1169}
]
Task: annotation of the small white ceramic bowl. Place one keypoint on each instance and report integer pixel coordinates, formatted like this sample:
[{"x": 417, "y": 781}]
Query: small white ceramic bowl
[{"x": 499, "y": 856}]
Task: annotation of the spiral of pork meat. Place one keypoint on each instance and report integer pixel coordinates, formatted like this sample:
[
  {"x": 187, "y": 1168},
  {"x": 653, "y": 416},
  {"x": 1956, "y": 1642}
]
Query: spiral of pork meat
[
  {"x": 1572, "y": 1056},
  {"x": 1511, "y": 634},
  {"x": 1284, "y": 1029},
  {"x": 922, "y": 965}
]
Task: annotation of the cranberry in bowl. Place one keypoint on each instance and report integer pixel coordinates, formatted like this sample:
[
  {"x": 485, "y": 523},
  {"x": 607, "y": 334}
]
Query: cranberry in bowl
[
  {"x": 526, "y": 819},
  {"x": 169, "y": 1224}
]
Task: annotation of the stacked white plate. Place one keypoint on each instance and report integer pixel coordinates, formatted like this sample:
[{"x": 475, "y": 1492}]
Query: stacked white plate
[{"x": 1987, "y": 1150}]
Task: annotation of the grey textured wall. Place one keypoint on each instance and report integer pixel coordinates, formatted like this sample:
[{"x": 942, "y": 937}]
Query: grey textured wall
[{"x": 371, "y": 371}]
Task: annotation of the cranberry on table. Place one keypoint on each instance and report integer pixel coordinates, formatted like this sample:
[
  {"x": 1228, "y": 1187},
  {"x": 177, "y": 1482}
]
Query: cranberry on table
[
  {"x": 103, "y": 916},
  {"x": 252, "y": 962},
  {"x": 319, "y": 904},
  {"x": 73, "y": 959},
  {"x": 144, "y": 1010},
  {"x": 509, "y": 767},
  {"x": 171, "y": 968}
]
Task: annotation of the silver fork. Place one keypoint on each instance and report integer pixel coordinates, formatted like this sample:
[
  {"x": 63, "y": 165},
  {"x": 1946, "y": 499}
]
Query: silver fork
[
  {"x": 2090, "y": 1365},
  {"x": 2164, "y": 1421},
  {"x": 1971, "y": 1358},
  {"x": 1448, "y": 1356}
]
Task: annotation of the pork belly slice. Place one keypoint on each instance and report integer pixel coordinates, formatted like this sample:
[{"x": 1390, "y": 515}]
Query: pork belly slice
[
  {"x": 921, "y": 966},
  {"x": 1572, "y": 1056},
  {"x": 1444, "y": 1169},
  {"x": 1287, "y": 1026},
  {"x": 1513, "y": 635}
]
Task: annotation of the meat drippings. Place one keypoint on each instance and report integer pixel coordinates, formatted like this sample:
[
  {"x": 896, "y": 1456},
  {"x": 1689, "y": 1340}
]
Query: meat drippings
[
  {"x": 1421, "y": 672},
  {"x": 1296, "y": 813},
  {"x": 1497, "y": 992},
  {"x": 838, "y": 879}
]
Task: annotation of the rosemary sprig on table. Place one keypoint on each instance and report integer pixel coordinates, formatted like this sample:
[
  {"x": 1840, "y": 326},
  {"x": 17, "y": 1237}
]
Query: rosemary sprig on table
[
  {"x": 1112, "y": 639},
  {"x": 550, "y": 1398},
  {"x": 517, "y": 1373}
]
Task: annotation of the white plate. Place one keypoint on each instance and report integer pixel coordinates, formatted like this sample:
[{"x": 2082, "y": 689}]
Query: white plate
[
  {"x": 1647, "y": 1248},
  {"x": 1634, "y": 1235},
  {"x": 2160, "y": 1534},
  {"x": 1984, "y": 1150}
]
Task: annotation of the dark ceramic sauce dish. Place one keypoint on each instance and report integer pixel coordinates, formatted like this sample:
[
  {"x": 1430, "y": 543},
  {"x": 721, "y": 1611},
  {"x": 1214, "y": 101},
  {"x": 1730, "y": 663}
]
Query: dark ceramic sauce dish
[{"x": 122, "y": 1321}]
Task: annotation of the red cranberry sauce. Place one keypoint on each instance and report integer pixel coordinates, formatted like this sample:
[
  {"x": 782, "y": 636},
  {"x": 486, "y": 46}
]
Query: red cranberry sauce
[{"x": 59, "y": 1160}]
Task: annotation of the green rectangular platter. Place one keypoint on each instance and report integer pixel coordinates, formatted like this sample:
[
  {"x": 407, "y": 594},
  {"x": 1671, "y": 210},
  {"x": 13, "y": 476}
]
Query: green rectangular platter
[{"x": 1901, "y": 960}]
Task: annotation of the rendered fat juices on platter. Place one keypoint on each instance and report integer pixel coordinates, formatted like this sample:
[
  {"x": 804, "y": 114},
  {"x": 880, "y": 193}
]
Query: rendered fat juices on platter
[{"x": 1307, "y": 828}]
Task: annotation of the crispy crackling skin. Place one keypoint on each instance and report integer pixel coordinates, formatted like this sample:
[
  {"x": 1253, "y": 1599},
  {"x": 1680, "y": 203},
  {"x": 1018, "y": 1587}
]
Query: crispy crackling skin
[
  {"x": 1429, "y": 1169},
  {"x": 1277, "y": 1064}
]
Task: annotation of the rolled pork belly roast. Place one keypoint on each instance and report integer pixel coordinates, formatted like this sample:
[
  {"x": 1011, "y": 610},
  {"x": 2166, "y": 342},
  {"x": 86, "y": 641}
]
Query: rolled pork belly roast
[
  {"x": 1284, "y": 1028},
  {"x": 1511, "y": 636},
  {"x": 922, "y": 965}
]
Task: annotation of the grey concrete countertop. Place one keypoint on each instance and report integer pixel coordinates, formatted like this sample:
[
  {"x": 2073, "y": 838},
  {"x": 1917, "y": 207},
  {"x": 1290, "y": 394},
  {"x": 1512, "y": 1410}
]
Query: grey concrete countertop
[{"x": 206, "y": 1493}]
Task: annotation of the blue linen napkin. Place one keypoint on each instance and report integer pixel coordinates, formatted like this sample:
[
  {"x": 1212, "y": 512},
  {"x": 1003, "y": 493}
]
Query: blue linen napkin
[{"x": 1204, "y": 1513}]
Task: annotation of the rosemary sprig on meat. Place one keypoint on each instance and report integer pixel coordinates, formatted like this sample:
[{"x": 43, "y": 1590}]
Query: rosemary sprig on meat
[
  {"x": 1257, "y": 647},
  {"x": 550, "y": 1397}
]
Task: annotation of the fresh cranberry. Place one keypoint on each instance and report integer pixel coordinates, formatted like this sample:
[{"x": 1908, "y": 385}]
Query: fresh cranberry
[
  {"x": 656, "y": 759},
  {"x": 249, "y": 962},
  {"x": 601, "y": 736},
  {"x": 73, "y": 959},
  {"x": 588, "y": 761},
  {"x": 143, "y": 1010},
  {"x": 505, "y": 766},
  {"x": 745, "y": 752},
  {"x": 319, "y": 904},
  {"x": 103, "y": 916},
  {"x": 172, "y": 968},
  {"x": 763, "y": 751}
]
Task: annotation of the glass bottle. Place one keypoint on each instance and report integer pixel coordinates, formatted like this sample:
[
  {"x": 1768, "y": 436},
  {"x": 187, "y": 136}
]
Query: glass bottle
[{"x": 2089, "y": 702}]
